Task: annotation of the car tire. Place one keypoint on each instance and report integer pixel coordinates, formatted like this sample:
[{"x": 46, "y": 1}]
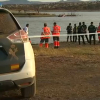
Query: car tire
[{"x": 29, "y": 91}]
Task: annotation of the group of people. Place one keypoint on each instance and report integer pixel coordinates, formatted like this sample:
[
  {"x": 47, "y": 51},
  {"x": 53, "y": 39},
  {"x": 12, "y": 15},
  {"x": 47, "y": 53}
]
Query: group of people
[
  {"x": 45, "y": 35},
  {"x": 81, "y": 30}
]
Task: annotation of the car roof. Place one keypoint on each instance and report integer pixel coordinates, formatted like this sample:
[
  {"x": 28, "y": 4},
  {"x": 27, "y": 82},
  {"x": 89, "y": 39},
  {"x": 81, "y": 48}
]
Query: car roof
[{"x": 4, "y": 10}]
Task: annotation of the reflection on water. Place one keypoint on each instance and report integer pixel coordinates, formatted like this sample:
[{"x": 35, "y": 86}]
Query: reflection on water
[{"x": 36, "y": 23}]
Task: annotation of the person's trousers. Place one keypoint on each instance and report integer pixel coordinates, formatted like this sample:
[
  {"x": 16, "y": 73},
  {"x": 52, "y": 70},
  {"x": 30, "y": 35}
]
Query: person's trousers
[
  {"x": 87, "y": 38},
  {"x": 79, "y": 39},
  {"x": 56, "y": 41},
  {"x": 68, "y": 38},
  {"x": 74, "y": 38},
  {"x": 90, "y": 37},
  {"x": 46, "y": 40}
]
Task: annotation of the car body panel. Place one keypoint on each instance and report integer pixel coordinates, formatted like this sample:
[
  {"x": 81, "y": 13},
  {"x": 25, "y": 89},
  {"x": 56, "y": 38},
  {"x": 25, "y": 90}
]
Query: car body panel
[{"x": 18, "y": 55}]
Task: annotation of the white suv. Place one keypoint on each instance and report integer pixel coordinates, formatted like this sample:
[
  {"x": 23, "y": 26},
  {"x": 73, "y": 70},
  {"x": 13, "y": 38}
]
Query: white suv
[{"x": 17, "y": 62}]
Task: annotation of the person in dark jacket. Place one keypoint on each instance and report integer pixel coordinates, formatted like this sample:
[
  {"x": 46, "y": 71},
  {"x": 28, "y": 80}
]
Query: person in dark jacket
[
  {"x": 69, "y": 31},
  {"x": 80, "y": 32},
  {"x": 74, "y": 32},
  {"x": 92, "y": 29},
  {"x": 84, "y": 31}
]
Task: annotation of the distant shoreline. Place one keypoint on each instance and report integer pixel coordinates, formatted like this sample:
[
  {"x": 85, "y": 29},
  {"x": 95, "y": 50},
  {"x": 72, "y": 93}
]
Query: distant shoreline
[
  {"x": 42, "y": 14},
  {"x": 33, "y": 15},
  {"x": 70, "y": 10},
  {"x": 19, "y": 15}
]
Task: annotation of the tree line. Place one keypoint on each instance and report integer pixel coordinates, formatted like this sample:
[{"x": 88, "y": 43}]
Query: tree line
[{"x": 75, "y": 6}]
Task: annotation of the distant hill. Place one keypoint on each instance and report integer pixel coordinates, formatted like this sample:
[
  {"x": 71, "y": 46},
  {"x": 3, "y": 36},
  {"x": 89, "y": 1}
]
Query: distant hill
[
  {"x": 20, "y": 2},
  {"x": 68, "y": 6}
]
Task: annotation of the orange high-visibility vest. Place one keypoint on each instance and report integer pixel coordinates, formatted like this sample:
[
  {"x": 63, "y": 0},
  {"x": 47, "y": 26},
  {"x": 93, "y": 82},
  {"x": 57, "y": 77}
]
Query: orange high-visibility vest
[
  {"x": 46, "y": 32},
  {"x": 56, "y": 30}
]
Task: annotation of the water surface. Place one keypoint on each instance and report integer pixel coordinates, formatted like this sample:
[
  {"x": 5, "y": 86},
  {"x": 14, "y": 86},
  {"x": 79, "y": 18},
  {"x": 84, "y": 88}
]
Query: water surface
[{"x": 36, "y": 23}]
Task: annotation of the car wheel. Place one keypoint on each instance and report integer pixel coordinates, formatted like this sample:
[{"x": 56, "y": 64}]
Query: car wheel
[{"x": 29, "y": 91}]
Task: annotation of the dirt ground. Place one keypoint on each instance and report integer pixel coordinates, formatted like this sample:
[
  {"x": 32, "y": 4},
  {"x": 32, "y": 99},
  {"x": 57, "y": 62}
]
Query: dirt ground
[{"x": 71, "y": 72}]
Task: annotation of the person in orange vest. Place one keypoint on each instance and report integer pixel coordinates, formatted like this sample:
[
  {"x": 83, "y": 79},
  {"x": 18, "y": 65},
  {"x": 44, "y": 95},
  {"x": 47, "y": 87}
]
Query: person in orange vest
[
  {"x": 45, "y": 36},
  {"x": 56, "y": 32},
  {"x": 98, "y": 31}
]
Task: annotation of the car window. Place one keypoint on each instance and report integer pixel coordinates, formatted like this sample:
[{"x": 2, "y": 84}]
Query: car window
[{"x": 7, "y": 24}]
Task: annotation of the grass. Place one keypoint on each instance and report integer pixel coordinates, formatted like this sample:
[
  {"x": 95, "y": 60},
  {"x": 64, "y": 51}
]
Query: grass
[
  {"x": 69, "y": 73},
  {"x": 68, "y": 49}
]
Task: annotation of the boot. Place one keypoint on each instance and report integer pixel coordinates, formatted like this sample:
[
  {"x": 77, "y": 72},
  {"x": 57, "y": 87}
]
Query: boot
[
  {"x": 46, "y": 45},
  {"x": 58, "y": 44},
  {"x": 55, "y": 44},
  {"x": 41, "y": 44}
]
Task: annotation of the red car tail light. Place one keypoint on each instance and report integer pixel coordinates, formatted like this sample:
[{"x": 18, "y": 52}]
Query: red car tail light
[{"x": 18, "y": 37}]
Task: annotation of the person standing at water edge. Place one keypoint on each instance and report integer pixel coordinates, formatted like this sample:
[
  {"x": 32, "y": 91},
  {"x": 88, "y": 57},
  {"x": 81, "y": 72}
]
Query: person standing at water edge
[
  {"x": 26, "y": 28},
  {"x": 84, "y": 31},
  {"x": 74, "y": 32},
  {"x": 56, "y": 31},
  {"x": 98, "y": 31},
  {"x": 92, "y": 29},
  {"x": 46, "y": 32},
  {"x": 80, "y": 32},
  {"x": 69, "y": 31}
]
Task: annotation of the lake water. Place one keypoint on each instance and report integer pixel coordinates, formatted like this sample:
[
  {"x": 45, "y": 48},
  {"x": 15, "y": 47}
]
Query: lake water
[{"x": 36, "y": 23}]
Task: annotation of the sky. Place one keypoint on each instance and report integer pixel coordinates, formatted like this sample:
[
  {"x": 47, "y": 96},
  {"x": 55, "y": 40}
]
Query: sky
[
  {"x": 46, "y": 0},
  {"x": 51, "y": 0}
]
